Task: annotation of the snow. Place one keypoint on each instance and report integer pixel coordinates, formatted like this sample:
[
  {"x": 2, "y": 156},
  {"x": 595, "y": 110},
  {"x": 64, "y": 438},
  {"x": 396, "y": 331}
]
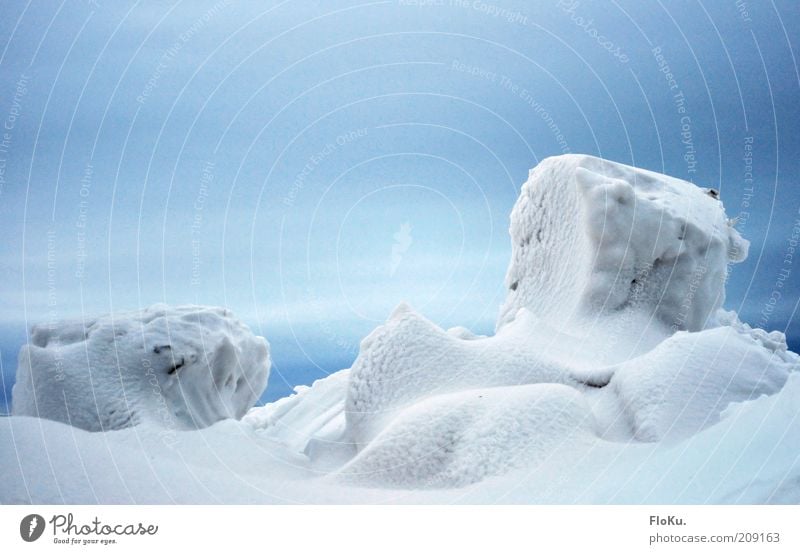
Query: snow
[
  {"x": 183, "y": 367},
  {"x": 307, "y": 419},
  {"x": 455, "y": 439},
  {"x": 749, "y": 457},
  {"x": 49, "y": 462},
  {"x": 410, "y": 358},
  {"x": 691, "y": 377},
  {"x": 596, "y": 238},
  {"x": 613, "y": 376}
]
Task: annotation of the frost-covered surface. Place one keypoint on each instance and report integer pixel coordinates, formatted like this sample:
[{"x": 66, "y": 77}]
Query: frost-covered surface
[
  {"x": 614, "y": 376},
  {"x": 749, "y": 457},
  {"x": 683, "y": 384},
  {"x": 459, "y": 438},
  {"x": 592, "y": 237},
  {"x": 410, "y": 358},
  {"x": 179, "y": 367}
]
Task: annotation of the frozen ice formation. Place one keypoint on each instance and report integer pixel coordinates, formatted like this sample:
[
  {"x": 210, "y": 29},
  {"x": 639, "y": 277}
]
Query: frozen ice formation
[
  {"x": 180, "y": 367},
  {"x": 313, "y": 415},
  {"x": 592, "y": 237},
  {"x": 613, "y": 376},
  {"x": 684, "y": 384},
  {"x": 613, "y": 310}
]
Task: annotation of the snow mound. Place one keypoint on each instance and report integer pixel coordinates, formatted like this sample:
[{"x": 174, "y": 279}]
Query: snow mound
[
  {"x": 410, "y": 358},
  {"x": 749, "y": 457},
  {"x": 177, "y": 367},
  {"x": 603, "y": 254},
  {"x": 464, "y": 334},
  {"x": 456, "y": 439},
  {"x": 613, "y": 376},
  {"x": 683, "y": 385},
  {"x": 52, "y": 463},
  {"x": 592, "y": 237},
  {"x": 427, "y": 400}
]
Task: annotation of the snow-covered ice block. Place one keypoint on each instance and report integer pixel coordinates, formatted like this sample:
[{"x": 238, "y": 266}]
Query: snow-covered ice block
[
  {"x": 592, "y": 237},
  {"x": 178, "y": 367},
  {"x": 685, "y": 383},
  {"x": 460, "y": 438},
  {"x": 410, "y": 358}
]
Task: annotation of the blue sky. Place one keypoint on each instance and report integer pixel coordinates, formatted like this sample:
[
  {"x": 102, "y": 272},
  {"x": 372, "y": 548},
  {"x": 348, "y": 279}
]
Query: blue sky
[{"x": 312, "y": 164}]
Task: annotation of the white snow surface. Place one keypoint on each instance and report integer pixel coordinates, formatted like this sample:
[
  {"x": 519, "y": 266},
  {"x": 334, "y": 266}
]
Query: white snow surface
[
  {"x": 180, "y": 367},
  {"x": 592, "y": 237},
  {"x": 749, "y": 457},
  {"x": 613, "y": 377},
  {"x": 684, "y": 384},
  {"x": 450, "y": 440}
]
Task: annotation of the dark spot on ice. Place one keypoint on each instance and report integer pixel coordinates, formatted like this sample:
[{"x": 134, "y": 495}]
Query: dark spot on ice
[
  {"x": 127, "y": 422},
  {"x": 596, "y": 382},
  {"x": 595, "y": 385},
  {"x": 514, "y": 285},
  {"x": 539, "y": 235},
  {"x": 158, "y": 349},
  {"x": 177, "y": 366}
]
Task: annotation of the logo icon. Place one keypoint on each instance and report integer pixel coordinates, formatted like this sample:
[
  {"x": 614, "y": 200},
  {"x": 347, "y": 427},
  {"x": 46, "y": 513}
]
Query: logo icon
[
  {"x": 31, "y": 527},
  {"x": 402, "y": 242}
]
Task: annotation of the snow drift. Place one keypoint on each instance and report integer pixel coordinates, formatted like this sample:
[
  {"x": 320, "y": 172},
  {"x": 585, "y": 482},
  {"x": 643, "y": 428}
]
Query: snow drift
[
  {"x": 459, "y": 438},
  {"x": 749, "y": 457},
  {"x": 184, "y": 367},
  {"x": 685, "y": 383},
  {"x": 613, "y": 376}
]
